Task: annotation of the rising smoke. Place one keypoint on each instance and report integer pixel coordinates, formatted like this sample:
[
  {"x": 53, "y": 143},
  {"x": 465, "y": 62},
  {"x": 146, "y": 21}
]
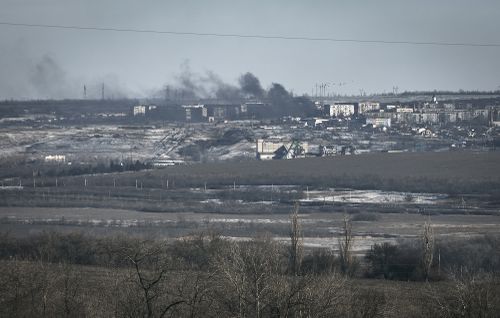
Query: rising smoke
[
  {"x": 45, "y": 78},
  {"x": 250, "y": 85},
  {"x": 48, "y": 79},
  {"x": 192, "y": 85}
]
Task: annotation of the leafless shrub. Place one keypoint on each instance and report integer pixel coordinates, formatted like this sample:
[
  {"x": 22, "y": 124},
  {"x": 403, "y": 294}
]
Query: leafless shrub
[
  {"x": 249, "y": 271},
  {"x": 148, "y": 272},
  {"x": 296, "y": 242},
  {"x": 346, "y": 242},
  {"x": 427, "y": 241},
  {"x": 470, "y": 294}
]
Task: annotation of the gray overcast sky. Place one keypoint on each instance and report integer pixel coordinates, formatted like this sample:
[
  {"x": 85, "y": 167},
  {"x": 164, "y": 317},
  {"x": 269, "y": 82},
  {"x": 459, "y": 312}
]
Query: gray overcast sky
[{"x": 53, "y": 63}]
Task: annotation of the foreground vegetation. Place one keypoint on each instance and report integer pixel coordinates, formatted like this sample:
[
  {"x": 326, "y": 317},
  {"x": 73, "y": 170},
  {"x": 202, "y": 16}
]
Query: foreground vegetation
[{"x": 204, "y": 275}]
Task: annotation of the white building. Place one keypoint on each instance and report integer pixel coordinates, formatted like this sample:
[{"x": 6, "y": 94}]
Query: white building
[
  {"x": 139, "y": 110},
  {"x": 365, "y": 107},
  {"x": 379, "y": 122},
  {"x": 55, "y": 158},
  {"x": 339, "y": 109},
  {"x": 404, "y": 110}
]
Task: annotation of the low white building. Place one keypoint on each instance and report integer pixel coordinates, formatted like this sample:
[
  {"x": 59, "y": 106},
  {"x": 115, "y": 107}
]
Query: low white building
[
  {"x": 55, "y": 158},
  {"x": 404, "y": 110},
  {"x": 379, "y": 122}
]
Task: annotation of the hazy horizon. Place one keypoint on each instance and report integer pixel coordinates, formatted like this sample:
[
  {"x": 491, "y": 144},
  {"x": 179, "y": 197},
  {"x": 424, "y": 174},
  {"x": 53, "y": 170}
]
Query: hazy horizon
[{"x": 45, "y": 63}]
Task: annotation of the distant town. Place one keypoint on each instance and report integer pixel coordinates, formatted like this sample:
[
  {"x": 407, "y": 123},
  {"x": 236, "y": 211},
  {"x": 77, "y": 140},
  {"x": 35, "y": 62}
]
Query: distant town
[{"x": 135, "y": 134}]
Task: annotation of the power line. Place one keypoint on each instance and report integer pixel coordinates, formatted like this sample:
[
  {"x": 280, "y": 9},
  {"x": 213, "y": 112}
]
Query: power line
[{"x": 249, "y": 36}]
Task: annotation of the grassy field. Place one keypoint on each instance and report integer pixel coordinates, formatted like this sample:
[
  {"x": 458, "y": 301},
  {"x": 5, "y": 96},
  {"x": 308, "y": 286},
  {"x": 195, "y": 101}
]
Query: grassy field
[
  {"x": 321, "y": 229},
  {"x": 419, "y": 172},
  {"x": 446, "y": 172},
  {"x": 462, "y": 182}
]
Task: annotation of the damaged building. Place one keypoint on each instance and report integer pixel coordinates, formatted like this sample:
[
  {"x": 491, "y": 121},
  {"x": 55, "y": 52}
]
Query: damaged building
[{"x": 279, "y": 149}]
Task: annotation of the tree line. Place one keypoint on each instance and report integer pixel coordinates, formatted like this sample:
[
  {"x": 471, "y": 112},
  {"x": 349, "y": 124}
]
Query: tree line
[{"x": 205, "y": 275}]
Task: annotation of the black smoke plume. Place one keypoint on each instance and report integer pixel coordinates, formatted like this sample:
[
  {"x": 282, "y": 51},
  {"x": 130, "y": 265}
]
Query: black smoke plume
[
  {"x": 284, "y": 104},
  {"x": 191, "y": 85},
  {"x": 250, "y": 85}
]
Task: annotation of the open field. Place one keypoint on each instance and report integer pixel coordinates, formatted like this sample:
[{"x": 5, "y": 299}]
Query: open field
[
  {"x": 427, "y": 170},
  {"x": 389, "y": 197},
  {"x": 446, "y": 172},
  {"x": 321, "y": 229}
]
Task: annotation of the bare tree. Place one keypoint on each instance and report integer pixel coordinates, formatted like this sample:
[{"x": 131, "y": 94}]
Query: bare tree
[
  {"x": 326, "y": 296},
  {"x": 250, "y": 270},
  {"x": 346, "y": 242},
  {"x": 427, "y": 248},
  {"x": 196, "y": 288},
  {"x": 296, "y": 242},
  {"x": 70, "y": 291},
  {"x": 470, "y": 294},
  {"x": 149, "y": 274}
]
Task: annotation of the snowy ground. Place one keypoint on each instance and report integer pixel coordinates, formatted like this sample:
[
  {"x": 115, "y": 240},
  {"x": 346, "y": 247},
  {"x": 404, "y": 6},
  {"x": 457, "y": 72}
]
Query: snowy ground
[
  {"x": 165, "y": 141},
  {"x": 373, "y": 196}
]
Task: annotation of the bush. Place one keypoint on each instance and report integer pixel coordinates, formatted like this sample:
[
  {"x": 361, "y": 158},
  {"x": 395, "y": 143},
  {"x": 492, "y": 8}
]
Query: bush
[
  {"x": 365, "y": 217},
  {"x": 319, "y": 261},
  {"x": 477, "y": 254},
  {"x": 400, "y": 262}
]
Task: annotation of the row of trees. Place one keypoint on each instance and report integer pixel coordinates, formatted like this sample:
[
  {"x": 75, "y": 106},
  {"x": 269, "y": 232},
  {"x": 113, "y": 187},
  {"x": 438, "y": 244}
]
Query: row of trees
[{"x": 205, "y": 275}]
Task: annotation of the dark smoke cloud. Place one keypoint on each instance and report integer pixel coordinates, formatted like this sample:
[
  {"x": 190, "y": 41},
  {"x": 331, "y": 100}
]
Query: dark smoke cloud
[
  {"x": 250, "y": 85},
  {"x": 48, "y": 78},
  {"x": 221, "y": 89},
  {"x": 189, "y": 84},
  {"x": 283, "y": 103},
  {"x": 45, "y": 78}
]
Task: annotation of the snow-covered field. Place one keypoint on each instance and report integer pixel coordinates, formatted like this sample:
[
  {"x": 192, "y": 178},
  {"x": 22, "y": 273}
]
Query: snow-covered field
[{"x": 373, "y": 196}]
